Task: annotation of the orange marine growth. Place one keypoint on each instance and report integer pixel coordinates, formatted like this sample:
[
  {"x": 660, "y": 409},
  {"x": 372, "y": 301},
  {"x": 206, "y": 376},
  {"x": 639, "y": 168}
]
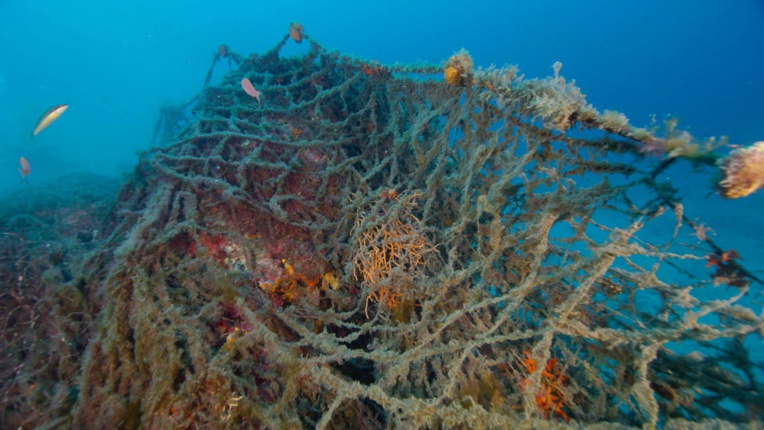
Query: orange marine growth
[
  {"x": 743, "y": 171},
  {"x": 727, "y": 271},
  {"x": 459, "y": 69},
  {"x": 387, "y": 246},
  {"x": 374, "y": 69},
  {"x": 452, "y": 75},
  {"x": 290, "y": 285},
  {"x": 296, "y": 32},
  {"x": 550, "y": 399}
]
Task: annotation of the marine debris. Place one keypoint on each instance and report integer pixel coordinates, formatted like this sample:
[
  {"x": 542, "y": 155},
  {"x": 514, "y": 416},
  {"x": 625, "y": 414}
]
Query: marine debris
[{"x": 377, "y": 246}]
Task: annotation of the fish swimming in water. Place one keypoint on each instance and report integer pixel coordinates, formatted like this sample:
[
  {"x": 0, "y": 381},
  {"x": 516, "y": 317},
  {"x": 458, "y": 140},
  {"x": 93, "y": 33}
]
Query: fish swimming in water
[
  {"x": 48, "y": 117},
  {"x": 250, "y": 89},
  {"x": 25, "y": 169}
]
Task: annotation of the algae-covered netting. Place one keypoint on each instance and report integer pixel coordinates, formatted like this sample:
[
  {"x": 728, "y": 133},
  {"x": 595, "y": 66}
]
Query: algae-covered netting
[
  {"x": 49, "y": 237},
  {"x": 371, "y": 246}
]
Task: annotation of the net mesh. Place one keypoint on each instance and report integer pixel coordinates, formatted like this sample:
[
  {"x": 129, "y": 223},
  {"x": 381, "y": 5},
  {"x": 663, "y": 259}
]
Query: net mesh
[{"x": 376, "y": 246}]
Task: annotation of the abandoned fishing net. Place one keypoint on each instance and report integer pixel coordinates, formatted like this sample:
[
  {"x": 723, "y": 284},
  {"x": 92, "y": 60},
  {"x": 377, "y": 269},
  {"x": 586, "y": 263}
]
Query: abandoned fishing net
[{"x": 369, "y": 246}]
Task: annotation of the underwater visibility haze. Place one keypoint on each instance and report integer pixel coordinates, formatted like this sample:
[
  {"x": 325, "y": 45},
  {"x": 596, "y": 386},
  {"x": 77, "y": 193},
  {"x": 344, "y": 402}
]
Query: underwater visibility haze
[{"x": 387, "y": 215}]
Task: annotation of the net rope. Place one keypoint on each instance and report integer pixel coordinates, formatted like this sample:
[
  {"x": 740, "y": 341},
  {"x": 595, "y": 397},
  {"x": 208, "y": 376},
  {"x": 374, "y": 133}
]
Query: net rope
[{"x": 373, "y": 246}]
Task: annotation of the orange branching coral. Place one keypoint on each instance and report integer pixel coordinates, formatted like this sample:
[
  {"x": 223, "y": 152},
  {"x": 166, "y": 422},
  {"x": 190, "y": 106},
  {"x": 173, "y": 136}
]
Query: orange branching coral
[
  {"x": 550, "y": 399},
  {"x": 389, "y": 245},
  {"x": 459, "y": 69},
  {"x": 296, "y": 31},
  {"x": 743, "y": 171}
]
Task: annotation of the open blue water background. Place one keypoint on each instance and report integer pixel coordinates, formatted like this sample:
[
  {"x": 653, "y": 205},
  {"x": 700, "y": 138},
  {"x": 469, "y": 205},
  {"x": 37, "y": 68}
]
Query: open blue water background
[{"x": 116, "y": 63}]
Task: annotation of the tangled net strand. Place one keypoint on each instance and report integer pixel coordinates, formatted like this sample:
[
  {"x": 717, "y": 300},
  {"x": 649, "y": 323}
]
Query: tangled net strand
[{"x": 373, "y": 247}]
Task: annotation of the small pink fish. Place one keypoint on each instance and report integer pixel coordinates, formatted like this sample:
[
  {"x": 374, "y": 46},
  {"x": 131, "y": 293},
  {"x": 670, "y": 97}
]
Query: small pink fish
[
  {"x": 25, "y": 169},
  {"x": 250, "y": 89}
]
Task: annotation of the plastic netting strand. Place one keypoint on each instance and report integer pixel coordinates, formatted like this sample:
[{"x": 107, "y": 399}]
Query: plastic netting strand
[{"x": 373, "y": 247}]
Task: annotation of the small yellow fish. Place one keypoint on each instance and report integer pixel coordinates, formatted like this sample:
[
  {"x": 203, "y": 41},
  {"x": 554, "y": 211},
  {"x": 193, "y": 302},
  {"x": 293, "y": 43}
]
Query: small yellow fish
[{"x": 48, "y": 117}]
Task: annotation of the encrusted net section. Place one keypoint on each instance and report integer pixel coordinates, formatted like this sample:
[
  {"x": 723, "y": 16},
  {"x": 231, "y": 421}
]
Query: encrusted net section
[
  {"x": 48, "y": 237},
  {"x": 373, "y": 247}
]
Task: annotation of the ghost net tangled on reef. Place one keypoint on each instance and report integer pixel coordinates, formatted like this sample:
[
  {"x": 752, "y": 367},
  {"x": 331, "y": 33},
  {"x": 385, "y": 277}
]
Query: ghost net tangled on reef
[
  {"x": 47, "y": 234},
  {"x": 375, "y": 247}
]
